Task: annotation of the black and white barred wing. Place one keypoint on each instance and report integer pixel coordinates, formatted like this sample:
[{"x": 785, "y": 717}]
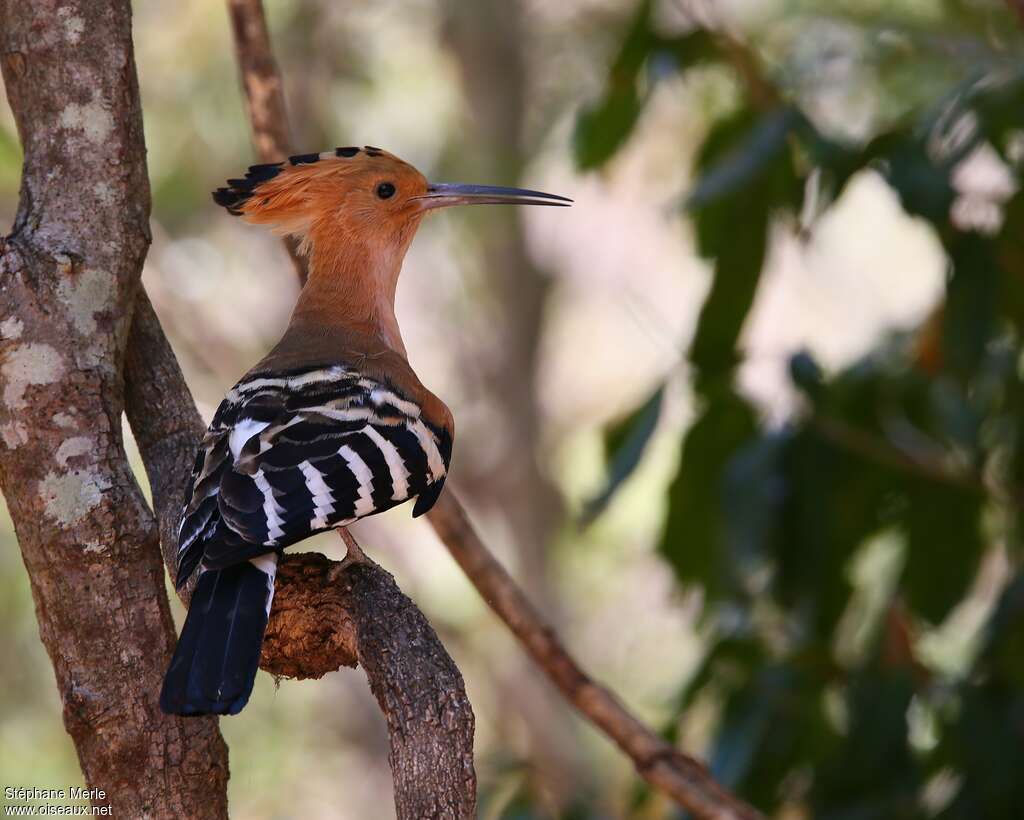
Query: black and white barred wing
[
  {"x": 335, "y": 453},
  {"x": 201, "y": 520},
  {"x": 289, "y": 456}
]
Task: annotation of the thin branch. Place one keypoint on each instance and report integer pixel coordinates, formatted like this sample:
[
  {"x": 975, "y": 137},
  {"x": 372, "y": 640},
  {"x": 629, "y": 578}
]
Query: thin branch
[
  {"x": 264, "y": 94},
  {"x": 681, "y": 777}
]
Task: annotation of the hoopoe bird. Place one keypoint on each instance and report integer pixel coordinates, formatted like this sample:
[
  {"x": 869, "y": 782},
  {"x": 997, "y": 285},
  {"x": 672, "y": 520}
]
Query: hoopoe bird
[{"x": 329, "y": 427}]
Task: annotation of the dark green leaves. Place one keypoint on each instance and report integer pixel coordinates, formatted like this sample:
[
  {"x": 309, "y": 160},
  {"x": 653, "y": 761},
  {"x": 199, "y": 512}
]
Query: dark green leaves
[
  {"x": 643, "y": 59},
  {"x": 747, "y": 175},
  {"x": 944, "y": 546},
  {"x": 923, "y": 185},
  {"x": 602, "y": 128},
  {"x": 982, "y": 736},
  {"x": 873, "y": 774},
  {"x": 624, "y": 446},
  {"x": 826, "y": 705},
  {"x": 693, "y": 531}
]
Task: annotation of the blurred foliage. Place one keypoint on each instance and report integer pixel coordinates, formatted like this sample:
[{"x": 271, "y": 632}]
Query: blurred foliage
[{"x": 824, "y": 704}]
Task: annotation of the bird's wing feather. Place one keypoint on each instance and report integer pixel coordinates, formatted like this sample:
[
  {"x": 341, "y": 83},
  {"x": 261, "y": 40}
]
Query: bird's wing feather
[{"x": 291, "y": 455}]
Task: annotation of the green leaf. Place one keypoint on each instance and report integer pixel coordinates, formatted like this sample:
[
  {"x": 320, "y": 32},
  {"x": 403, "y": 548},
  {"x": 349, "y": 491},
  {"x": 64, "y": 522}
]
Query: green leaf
[
  {"x": 972, "y": 297},
  {"x": 748, "y": 717},
  {"x": 754, "y": 494},
  {"x": 692, "y": 539},
  {"x": 922, "y": 183},
  {"x": 738, "y": 154},
  {"x": 625, "y": 444},
  {"x": 874, "y": 775},
  {"x": 982, "y": 745},
  {"x": 770, "y": 730},
  {"x": 944, "y": 546},
  {"x": 833, "y": 502},
  {"x": 747, "y": 175},
  {"x": 602, "y": 130},
  {"x": 603, "y": 127}
]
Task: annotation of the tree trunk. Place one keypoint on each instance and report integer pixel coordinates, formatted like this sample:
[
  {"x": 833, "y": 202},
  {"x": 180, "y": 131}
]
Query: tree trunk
[{"x": 69, "y": 272}]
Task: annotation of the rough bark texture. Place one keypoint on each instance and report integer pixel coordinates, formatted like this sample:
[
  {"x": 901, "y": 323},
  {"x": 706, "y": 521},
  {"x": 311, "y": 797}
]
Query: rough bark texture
[
  {"x": 420, "y": 691},
  {"x": 68, "y": 277},
  {"x": 366, "y": 618}
]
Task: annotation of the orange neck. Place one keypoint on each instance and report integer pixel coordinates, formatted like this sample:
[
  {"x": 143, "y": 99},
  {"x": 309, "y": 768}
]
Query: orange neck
[{"x": 351, "y": 288}]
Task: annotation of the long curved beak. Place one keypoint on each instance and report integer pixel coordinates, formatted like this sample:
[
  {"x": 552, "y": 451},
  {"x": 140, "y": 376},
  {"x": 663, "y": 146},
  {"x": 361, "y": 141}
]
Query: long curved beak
[{"x": 445, "y": 194}]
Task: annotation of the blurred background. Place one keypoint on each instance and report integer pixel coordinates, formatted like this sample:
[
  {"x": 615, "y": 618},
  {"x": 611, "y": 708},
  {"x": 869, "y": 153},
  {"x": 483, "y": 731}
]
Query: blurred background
[{"x": 746, "y": 421}]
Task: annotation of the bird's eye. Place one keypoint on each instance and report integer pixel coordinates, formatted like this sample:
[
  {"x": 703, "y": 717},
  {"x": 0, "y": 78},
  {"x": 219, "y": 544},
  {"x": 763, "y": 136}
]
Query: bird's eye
[{"x": 385, "y": 190}]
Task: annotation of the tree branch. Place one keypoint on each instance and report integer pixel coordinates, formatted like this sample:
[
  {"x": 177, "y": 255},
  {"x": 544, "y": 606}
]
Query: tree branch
[
  {"x": 681, "y": 777},
  {"x": 68, "y": 276},
  {"x": 366, "y": 618},
  {"x": 264, "y": 95}
]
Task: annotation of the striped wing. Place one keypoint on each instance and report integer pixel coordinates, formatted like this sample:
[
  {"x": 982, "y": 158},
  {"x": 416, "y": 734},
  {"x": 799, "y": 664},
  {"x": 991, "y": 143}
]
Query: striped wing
[{"x": 290, "y": 455}]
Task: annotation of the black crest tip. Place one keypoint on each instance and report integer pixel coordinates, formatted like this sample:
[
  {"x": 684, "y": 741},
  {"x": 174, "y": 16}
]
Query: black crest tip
[
  {"x": 261, "y": 173},
  {"x": 227, "y": 198},
  {"x": 238, "y": 190}
]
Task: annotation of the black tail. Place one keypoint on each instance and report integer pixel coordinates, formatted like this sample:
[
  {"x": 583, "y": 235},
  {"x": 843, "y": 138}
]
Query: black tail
[{"x": 214, "y": 665}]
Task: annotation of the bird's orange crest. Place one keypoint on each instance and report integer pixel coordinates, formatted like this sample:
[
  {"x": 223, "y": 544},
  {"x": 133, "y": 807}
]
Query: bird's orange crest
[{"x": 330, "y": 197}]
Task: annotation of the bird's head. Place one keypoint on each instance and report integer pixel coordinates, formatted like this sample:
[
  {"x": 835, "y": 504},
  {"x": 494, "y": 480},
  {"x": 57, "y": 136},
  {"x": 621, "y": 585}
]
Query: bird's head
[
  {"x": 354, "y": 212},
  {"x": 354, "y": 198}
]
